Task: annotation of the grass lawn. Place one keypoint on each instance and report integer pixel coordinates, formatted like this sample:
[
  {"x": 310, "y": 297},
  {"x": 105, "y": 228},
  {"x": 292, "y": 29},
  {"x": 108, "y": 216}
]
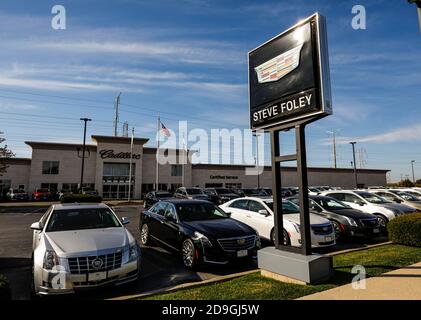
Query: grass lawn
[{"x": 253, "y": 286}]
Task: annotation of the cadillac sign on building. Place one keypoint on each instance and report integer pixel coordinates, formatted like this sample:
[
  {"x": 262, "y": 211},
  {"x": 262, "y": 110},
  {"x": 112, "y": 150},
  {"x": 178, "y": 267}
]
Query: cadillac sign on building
[{"x": 289, "y": 76}]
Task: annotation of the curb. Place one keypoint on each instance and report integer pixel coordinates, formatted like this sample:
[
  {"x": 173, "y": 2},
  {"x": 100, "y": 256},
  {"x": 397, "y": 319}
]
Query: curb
[
  {"x": 185, "y": 286},
  {"x": 359, "y": 249}
]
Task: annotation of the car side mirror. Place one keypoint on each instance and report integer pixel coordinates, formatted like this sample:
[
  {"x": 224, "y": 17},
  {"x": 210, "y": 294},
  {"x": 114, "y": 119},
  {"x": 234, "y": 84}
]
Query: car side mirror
[
  {"x": 263, "y": 212},
  {"x": 36, "y": 226},
  {"x": 125, "y": 221}
]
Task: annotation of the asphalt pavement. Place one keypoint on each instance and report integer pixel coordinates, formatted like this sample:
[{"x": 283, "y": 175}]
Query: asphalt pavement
[{"x": 160, "y": 268}]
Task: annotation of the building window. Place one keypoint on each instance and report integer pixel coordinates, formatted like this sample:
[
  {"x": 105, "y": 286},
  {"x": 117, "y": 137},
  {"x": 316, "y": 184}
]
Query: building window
[
  {"x": 176, "y": 170},
  {"x": 70, "y": 187},
  {"x": 117, "y": 173},
  {"x": 21, "y": 187},
  {"x": 50, "y": 186},
  {"x": 50, "y": 167}
]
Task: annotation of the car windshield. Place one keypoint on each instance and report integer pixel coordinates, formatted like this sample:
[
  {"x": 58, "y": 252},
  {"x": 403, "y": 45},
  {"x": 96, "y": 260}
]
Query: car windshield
[
  {"x": 194, "y": 191},
  {"x": 82, "y": 219},
  {"x": 372, "y": 198},
  {"x": 199, "y": 211},
  {"x": 254, "y": 192},
  {"x": 287, "y": 207},
  {"x": 331, "y": 204},
  {"x": 407, "y": 196},
  {"x": 163, "y": 195},
  {"x": 222, "y": 191}
]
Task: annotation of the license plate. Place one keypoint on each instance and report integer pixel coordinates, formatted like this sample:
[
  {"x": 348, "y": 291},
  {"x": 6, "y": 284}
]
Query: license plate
[
  {"x": 328, "y": 239},
  {"x": 376, "y": 230},
  {"x": 97, "y": 276},
  {"x": 242, "y": 253}
]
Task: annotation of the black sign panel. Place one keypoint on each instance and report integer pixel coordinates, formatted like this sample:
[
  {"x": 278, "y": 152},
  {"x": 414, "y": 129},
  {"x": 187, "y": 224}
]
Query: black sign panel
[{"x": 289, "y": 76}]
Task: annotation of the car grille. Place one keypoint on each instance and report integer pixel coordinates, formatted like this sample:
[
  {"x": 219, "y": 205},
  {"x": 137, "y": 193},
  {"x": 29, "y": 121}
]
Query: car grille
[
  {"x": 370, "y": 222},
  {"x": 82, "y": 265},
  {"x": 322, "y": 229},
  {"x": 239, "y": 243}
]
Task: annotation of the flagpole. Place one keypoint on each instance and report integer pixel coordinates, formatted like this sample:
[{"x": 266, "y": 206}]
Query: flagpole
[
  {"x": 157, "y": 155},
  {"x": 130, "y": 166}
]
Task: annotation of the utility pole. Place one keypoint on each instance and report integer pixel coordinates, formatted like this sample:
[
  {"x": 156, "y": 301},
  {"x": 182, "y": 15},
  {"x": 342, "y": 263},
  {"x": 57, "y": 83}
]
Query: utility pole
[
  {"x": 355, "y": 165},
  {"x": 125, "y": 129},
  {"x": 116, "y": 118},
  {"x": 413, "y": 172},
  {"x": 83, "y": 151},
  {"x": 257, "y": 158},
  {"x": 333, "y": 132}
]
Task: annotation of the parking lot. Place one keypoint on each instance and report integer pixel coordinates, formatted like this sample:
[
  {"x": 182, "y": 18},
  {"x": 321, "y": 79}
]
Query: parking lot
[{"x": 160, "y": 268}]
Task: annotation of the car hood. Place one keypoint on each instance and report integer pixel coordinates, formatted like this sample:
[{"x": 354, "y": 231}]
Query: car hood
[
  {"x": 403, "y": 207},
  {"x": 66, "y": 243},
  {"x": 220, "y": 228},
  {"x": 351, "y": 213},
  {"x": 314, "y": 219}
]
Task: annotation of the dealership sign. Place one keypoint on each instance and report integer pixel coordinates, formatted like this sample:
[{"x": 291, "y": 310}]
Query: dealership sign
[
  {"x": 110, "y": 154},
  {"x": 289, "y": 76}
]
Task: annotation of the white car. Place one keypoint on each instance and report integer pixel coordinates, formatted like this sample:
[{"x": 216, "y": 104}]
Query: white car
[
  {"x": 397, "y": 200},
  {"x": 367, "y": 202},
  {"x": 79, "y": 246},
  {"x": 258, "y": 213}
]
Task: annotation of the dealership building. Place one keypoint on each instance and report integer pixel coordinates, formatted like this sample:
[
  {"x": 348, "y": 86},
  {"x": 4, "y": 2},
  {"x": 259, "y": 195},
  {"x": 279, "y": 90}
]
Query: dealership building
[{"x": 57, "y": 166}]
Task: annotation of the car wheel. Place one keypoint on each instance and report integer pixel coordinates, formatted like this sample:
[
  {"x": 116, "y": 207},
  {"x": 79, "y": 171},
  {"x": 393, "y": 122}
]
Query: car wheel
[
  {"x": 337, "y": 228},
  {"x": 382, "y": 221},
  {"x": 188, "y": 253},
  {"x": 287, "y": 240},
  {"x": 145, "y": 236}
]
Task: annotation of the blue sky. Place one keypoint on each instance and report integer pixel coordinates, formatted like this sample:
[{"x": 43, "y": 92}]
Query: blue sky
[{"x": 186, "y": 60}]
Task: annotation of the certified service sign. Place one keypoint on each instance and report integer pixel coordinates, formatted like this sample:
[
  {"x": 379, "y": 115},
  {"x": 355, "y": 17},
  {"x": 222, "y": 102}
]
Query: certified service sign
[{"x": 289, "y": 76}]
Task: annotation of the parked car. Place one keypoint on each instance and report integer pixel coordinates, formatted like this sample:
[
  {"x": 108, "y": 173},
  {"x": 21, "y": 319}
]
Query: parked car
[
  {"x": 412, "y": 192},
  {"x": 199, "y": 231},
  {"x": 397, "y": 201},
  {"x": 267, "y": 190},
  {"x": 191, "y": 193},
  {"x": 408, "y": 199},
  {"x": 294, "y": 190},
  {"x": 314, "y": 191},
  {"x": 258, "y": 213},
  {"x": 42, "y": 194},
  {"x": 220, "y": 195},
  {"x": 17, "y": 195},
  {"x": 252, "y": 192},
  {"x": 81, "y": 246},
  {"x": 367, "y": 202},
  {"x": 154, "y": 196},
  {"x": 90, "y": 192},
  {"x": 348, "y": 222}
]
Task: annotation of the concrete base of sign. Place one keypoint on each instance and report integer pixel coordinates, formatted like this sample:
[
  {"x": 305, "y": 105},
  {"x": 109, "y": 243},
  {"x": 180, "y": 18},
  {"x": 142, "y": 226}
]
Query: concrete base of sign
[{"x": 293, "y": 267}]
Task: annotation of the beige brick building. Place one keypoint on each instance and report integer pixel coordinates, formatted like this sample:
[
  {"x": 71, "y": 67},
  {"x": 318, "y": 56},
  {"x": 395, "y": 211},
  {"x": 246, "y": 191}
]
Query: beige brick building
[{"x": 57, "y": 166}]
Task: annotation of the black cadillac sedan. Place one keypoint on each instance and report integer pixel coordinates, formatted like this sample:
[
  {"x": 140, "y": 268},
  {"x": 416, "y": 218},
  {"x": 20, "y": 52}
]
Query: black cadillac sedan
[
  {"x": 199, "y": 230},
  {"x": 154, "y": 196},
  {"x": 348, "y": 222}
]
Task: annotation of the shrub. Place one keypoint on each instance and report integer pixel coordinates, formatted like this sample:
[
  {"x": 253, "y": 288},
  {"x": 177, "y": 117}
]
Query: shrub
[
  {"x": 81, "y": 198},
  {"x": 406, "y": 230},
  {"x": 4, "y": 288}
]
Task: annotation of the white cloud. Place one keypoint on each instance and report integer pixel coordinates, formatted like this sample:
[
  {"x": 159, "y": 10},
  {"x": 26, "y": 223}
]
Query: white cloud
[{"x": 17, "y": 106}]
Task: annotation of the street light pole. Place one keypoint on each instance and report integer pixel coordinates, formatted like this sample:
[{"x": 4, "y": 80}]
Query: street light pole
[
  {"x": 413, "y": 173},
  {"x": 355, "y": 165},
  {"x": 83, "y": 152}
]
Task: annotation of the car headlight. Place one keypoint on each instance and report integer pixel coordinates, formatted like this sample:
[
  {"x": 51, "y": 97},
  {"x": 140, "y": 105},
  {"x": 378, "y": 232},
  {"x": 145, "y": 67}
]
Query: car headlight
[
  {"x": 351, "y": 221},
  {"x": 51, "y": 260},
  {"x": 202, "y": 238},
  {"x": 133, "y": 252}
]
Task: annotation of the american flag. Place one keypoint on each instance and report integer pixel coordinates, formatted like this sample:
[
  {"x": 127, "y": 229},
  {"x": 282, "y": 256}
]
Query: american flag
[{"x": 164, "y": 130}]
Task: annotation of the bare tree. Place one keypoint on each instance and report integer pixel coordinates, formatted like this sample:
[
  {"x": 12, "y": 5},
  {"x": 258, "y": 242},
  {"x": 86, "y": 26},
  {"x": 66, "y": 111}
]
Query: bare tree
[{"x": 5, "y": 153}]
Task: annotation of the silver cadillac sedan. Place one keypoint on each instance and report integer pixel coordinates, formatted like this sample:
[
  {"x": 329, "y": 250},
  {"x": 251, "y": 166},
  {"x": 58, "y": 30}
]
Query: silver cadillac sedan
[{"x": 80, "y": 246}]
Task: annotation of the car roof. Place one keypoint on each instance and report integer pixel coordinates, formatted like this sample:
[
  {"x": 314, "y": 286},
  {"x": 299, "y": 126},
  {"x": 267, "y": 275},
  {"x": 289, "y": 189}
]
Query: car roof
[{"x": 67, "y": 206}]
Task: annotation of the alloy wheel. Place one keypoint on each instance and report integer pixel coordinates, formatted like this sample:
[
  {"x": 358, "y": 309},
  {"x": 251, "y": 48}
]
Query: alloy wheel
[
  {"x": 188, "y": 253},
  {"x": 337, "y": 229},
  {"x": 144, "y": 234}
]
